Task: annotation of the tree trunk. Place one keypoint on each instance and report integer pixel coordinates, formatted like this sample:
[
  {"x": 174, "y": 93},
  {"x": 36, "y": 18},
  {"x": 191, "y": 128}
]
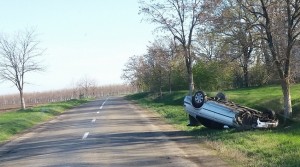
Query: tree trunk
[
  {"x": 22, "y": 100},
  {"x": 246, "y": 57},
  {"x": 266, "y": 55},
  {"x": 170, "y": 84},
  {"x": 286, "y": 98},
  {"x": 191, "y": 81},
  {"x": 189, "y": 66},
  {"x": 246, "y": 75},
  {"x": 160, "y": 84}
]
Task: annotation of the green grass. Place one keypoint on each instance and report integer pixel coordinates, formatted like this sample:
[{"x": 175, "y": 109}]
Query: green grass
[
  {"x": 14, "y": 122},
  {"x": 271, "y": 147},
  {"x": 266, "y": 97}
]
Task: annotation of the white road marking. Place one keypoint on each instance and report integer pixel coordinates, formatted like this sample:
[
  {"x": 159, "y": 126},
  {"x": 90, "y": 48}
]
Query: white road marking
[
  {"x": 85, "y": 135},
  {"x": 103, "y": 104},
  {"x": 94, "y": 120},
  {"x": 98, "y": 112}
]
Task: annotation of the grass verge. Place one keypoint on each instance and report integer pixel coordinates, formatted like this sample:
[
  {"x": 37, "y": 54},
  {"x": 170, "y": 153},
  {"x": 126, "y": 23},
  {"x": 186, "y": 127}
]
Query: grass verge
[
  {"x": 270, "y": 147},
  {"x": 14, "y": 122}
]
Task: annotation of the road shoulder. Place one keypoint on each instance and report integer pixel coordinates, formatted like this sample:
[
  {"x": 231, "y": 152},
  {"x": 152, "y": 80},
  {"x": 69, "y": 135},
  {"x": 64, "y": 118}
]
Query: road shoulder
[{"x": 193, "y": 149}]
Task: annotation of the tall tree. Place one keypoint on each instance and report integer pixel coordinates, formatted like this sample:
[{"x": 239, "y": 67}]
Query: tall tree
[
  {"x": 236, "y": 26},
  {"x": 19, "y": 56},
  {"x": 171, "y": 54},
  {"x": 180, "y": 18},
  {"x": 162, "y": 52},
  {"x": 134, "y": 72},
  {"x": 206, "y": 46},
  {"x": 280, "y": 21},
  {"x": 154, "y": 61}
]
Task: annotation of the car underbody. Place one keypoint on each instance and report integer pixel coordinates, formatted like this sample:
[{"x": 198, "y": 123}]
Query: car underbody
[{"x": 217, "y": 112}]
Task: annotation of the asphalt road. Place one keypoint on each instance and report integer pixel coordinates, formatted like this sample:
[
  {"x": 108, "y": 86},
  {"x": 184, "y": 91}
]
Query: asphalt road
[{"x": 108, "y": 132}]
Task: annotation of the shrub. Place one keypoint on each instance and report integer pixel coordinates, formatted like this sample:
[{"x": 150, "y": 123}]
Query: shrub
[{"x": 213, "y": 75}]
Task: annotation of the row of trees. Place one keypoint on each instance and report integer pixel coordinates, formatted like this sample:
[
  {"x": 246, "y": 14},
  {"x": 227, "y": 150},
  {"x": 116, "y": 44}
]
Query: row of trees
[
  {"x": 79, "y": 91},
  {"x": 222, "y": 44},
  {"x": 162, "y": 68},
  {"x": 87, "y": 87}
]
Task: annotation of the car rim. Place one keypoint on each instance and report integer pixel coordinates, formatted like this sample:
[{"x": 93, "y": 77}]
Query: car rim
[{"x": 199, "y": 98}]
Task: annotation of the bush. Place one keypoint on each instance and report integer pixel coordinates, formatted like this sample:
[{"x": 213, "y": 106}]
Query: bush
[
  {"x": 213, "y": 75},
  {"x": 258, "y": 75}
]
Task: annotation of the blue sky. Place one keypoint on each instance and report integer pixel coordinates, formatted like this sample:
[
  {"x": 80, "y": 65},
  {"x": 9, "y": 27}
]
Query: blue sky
[{"x": 92, "y": 38}]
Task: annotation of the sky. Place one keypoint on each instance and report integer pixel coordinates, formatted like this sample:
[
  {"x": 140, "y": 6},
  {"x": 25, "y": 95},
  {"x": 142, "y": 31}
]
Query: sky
[{"x": 81, "y": 38}]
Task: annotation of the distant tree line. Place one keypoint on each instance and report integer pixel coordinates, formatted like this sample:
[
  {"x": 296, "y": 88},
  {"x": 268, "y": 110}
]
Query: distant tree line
[
  {"x": 216, "y": 45},
  {"x": 77, "y": 92}
]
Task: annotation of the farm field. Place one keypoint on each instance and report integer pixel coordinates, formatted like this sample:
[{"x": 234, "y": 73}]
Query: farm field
[{"x": 270, "y": 147}]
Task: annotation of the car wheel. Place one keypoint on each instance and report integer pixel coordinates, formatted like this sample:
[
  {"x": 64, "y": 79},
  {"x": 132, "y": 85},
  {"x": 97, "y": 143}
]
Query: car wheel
[
  {"x": 210, "y": 124},
  {"x": 221, "y": 96},
  {"x": 198, "y": 99},
  {"x": 270, "y": 114}
]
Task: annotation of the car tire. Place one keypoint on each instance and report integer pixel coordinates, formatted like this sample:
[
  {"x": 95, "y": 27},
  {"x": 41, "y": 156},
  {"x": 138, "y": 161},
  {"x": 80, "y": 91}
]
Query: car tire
[
  {"x": 221, "y": 96},
  {"x": 270, "y": 113},
  {"x": 199, "y": 99},
  {"x": 210, "y": 124}
]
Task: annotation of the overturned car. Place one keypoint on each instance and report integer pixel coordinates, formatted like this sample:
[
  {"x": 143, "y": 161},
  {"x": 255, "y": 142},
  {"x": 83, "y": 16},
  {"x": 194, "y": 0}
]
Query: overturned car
[{"x": 217, "y": 113}]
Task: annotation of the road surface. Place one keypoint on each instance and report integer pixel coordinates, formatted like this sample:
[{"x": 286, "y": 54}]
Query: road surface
[{"x": 110, "y": 132}]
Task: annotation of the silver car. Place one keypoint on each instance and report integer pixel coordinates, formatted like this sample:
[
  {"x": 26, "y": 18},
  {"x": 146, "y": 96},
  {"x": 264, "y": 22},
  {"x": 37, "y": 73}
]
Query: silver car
[{"x": 217, "y": 112}]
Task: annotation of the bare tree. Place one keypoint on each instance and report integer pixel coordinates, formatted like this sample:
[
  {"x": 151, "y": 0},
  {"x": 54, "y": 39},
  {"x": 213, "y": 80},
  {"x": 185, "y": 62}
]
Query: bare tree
[
  {"x": 86, "y": 86},
  {"x": 18, "y": 57},
  {"x": 180, "y": 18},
  {"x": 280, "y": 21}
]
